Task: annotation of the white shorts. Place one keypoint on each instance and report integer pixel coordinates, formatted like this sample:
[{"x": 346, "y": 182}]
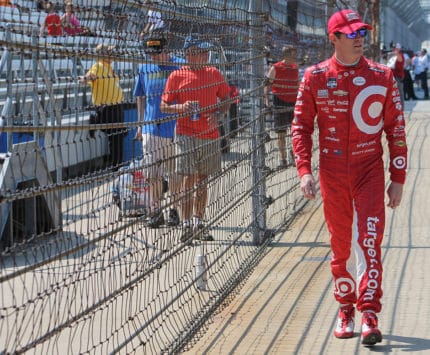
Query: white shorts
[{"x": 158, "y": 156}]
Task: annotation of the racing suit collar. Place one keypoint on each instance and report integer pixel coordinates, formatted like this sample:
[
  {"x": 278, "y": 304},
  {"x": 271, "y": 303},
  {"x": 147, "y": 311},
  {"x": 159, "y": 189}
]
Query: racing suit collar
[{"x": 335, "y": 62}]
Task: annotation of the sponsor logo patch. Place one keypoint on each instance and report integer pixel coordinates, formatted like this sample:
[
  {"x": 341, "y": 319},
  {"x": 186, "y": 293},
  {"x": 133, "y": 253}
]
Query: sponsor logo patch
[
  {"x": 320, "y": 70},
  {"x": 340, "y": 93},
  {"x": 376, "y": 69},
  {"x": 344, "y": 286},
  {"x": 399, "y": 162},
  {"x": 342, "y": 103},
  {"x": 322, "y": 94},
  {"x": 359, "y": 81},
  {"x": 331, "y": 83},
  {"x": 369, "y": 244}
]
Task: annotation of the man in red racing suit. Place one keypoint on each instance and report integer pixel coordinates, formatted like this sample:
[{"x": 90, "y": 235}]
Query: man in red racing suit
[{"x": 354, "y": 103}]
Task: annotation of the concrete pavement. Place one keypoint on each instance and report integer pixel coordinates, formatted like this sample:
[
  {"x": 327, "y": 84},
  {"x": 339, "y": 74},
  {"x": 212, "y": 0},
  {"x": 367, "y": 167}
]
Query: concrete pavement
[{"x": 287, "y": 307}]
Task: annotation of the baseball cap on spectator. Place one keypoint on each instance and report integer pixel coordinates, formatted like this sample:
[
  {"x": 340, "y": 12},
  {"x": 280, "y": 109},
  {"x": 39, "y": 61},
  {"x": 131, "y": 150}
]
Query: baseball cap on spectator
[
  {"x": 193, "y": 41},
  {"x": 104, "y": 49},
  {"x": 154, "y": 44},
  {"x": 398, "y": 46},
  {"x": 346, "y": 21}
]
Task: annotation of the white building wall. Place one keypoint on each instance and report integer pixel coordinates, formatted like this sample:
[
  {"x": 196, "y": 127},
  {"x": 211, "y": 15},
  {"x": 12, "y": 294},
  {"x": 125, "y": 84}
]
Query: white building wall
[{"x": 393, "y": 29}]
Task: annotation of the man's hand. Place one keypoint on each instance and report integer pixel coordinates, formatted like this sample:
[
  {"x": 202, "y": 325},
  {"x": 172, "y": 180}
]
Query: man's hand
[
  {"x": 307, "y": 185},
  {"x": 213, "y": 119},
  {"x": 87, "y": 77},
  {"x": 188, "y": 106},
  {"x": 138, "y": 135},
  {"x": 394, "y": 192}
]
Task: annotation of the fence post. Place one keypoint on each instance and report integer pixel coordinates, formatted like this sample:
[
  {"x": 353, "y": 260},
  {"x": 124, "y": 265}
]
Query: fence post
[
  {"x": 35, "y": 76},
  {"x": 9, "y": 98},
  {"x": 258, "y": 149}
]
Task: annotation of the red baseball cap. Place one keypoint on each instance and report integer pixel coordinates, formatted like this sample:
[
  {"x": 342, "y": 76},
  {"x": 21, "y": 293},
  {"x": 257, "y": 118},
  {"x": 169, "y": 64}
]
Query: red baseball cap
[{"x": 346, "y": 21}]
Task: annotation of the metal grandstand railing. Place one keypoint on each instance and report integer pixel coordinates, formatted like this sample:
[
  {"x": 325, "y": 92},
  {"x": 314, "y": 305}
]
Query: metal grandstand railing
[{"x": 77, "y": 274}]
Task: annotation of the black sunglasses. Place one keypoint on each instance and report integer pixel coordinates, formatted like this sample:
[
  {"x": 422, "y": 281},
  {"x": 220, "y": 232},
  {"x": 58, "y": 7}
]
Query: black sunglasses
[{"x": 353, "y": 35}]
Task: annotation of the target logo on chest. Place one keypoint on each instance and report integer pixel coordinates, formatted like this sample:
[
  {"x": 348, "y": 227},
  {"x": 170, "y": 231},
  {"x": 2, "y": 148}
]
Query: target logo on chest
[{"x": 367, "y": 109}]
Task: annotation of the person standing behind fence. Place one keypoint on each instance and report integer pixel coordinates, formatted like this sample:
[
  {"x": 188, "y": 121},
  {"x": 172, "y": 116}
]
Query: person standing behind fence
[
  {"x": 70, "y": 22},
  {"x": 157, "y": 138},
  {"x": 154, "y": 21},
  {"x": 200, "y": 92},
  {"x": 283, "y": 80},
  {"x": 354, "y": 100},
  {"x": 233, "y": 111},
  {"x": 52, "y": 22},
  {"x": 421, "y": 64},
  {"x": 397, "y": 65},
  {"x": 408, "y": 84},
  {"x": 107, "y": 97}
]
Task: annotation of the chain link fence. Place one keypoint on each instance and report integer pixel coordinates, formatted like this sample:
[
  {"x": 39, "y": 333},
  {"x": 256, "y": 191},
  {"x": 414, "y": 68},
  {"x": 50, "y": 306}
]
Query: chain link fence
[{"x": 79, "y": 270}]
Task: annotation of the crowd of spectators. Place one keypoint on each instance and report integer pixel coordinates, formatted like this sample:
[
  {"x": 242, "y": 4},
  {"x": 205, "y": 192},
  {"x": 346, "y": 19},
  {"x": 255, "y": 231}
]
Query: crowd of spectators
[
  {"x": 56, "y": 25},
  {"x": 410, "y": 70}
]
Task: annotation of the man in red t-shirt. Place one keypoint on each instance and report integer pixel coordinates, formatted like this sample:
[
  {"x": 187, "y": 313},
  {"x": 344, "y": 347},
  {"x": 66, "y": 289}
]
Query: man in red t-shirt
[
  {"x": 283, "y": 80},
  {"x": 198, "y": 94}
]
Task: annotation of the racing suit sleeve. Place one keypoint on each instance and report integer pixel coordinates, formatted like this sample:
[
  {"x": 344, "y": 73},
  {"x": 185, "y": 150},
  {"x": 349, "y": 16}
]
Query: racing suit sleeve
[
  {"x": 394, "y": 128},
  {"x": 302, "y": 126}
]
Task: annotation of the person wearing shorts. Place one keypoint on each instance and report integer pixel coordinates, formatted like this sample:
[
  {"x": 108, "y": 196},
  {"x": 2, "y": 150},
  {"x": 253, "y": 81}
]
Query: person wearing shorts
[
  {"x": 283, "y": 114},
  {"x": 283, "y": 80},
  {"x": 199, "y": 94},
  {"x": 157, "y": 138},
  {"x": 197, "y": 155}
]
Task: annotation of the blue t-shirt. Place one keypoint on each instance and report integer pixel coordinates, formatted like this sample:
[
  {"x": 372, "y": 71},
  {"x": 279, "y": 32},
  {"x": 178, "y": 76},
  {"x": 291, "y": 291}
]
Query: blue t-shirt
[{"x": 150, "y": 82}]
